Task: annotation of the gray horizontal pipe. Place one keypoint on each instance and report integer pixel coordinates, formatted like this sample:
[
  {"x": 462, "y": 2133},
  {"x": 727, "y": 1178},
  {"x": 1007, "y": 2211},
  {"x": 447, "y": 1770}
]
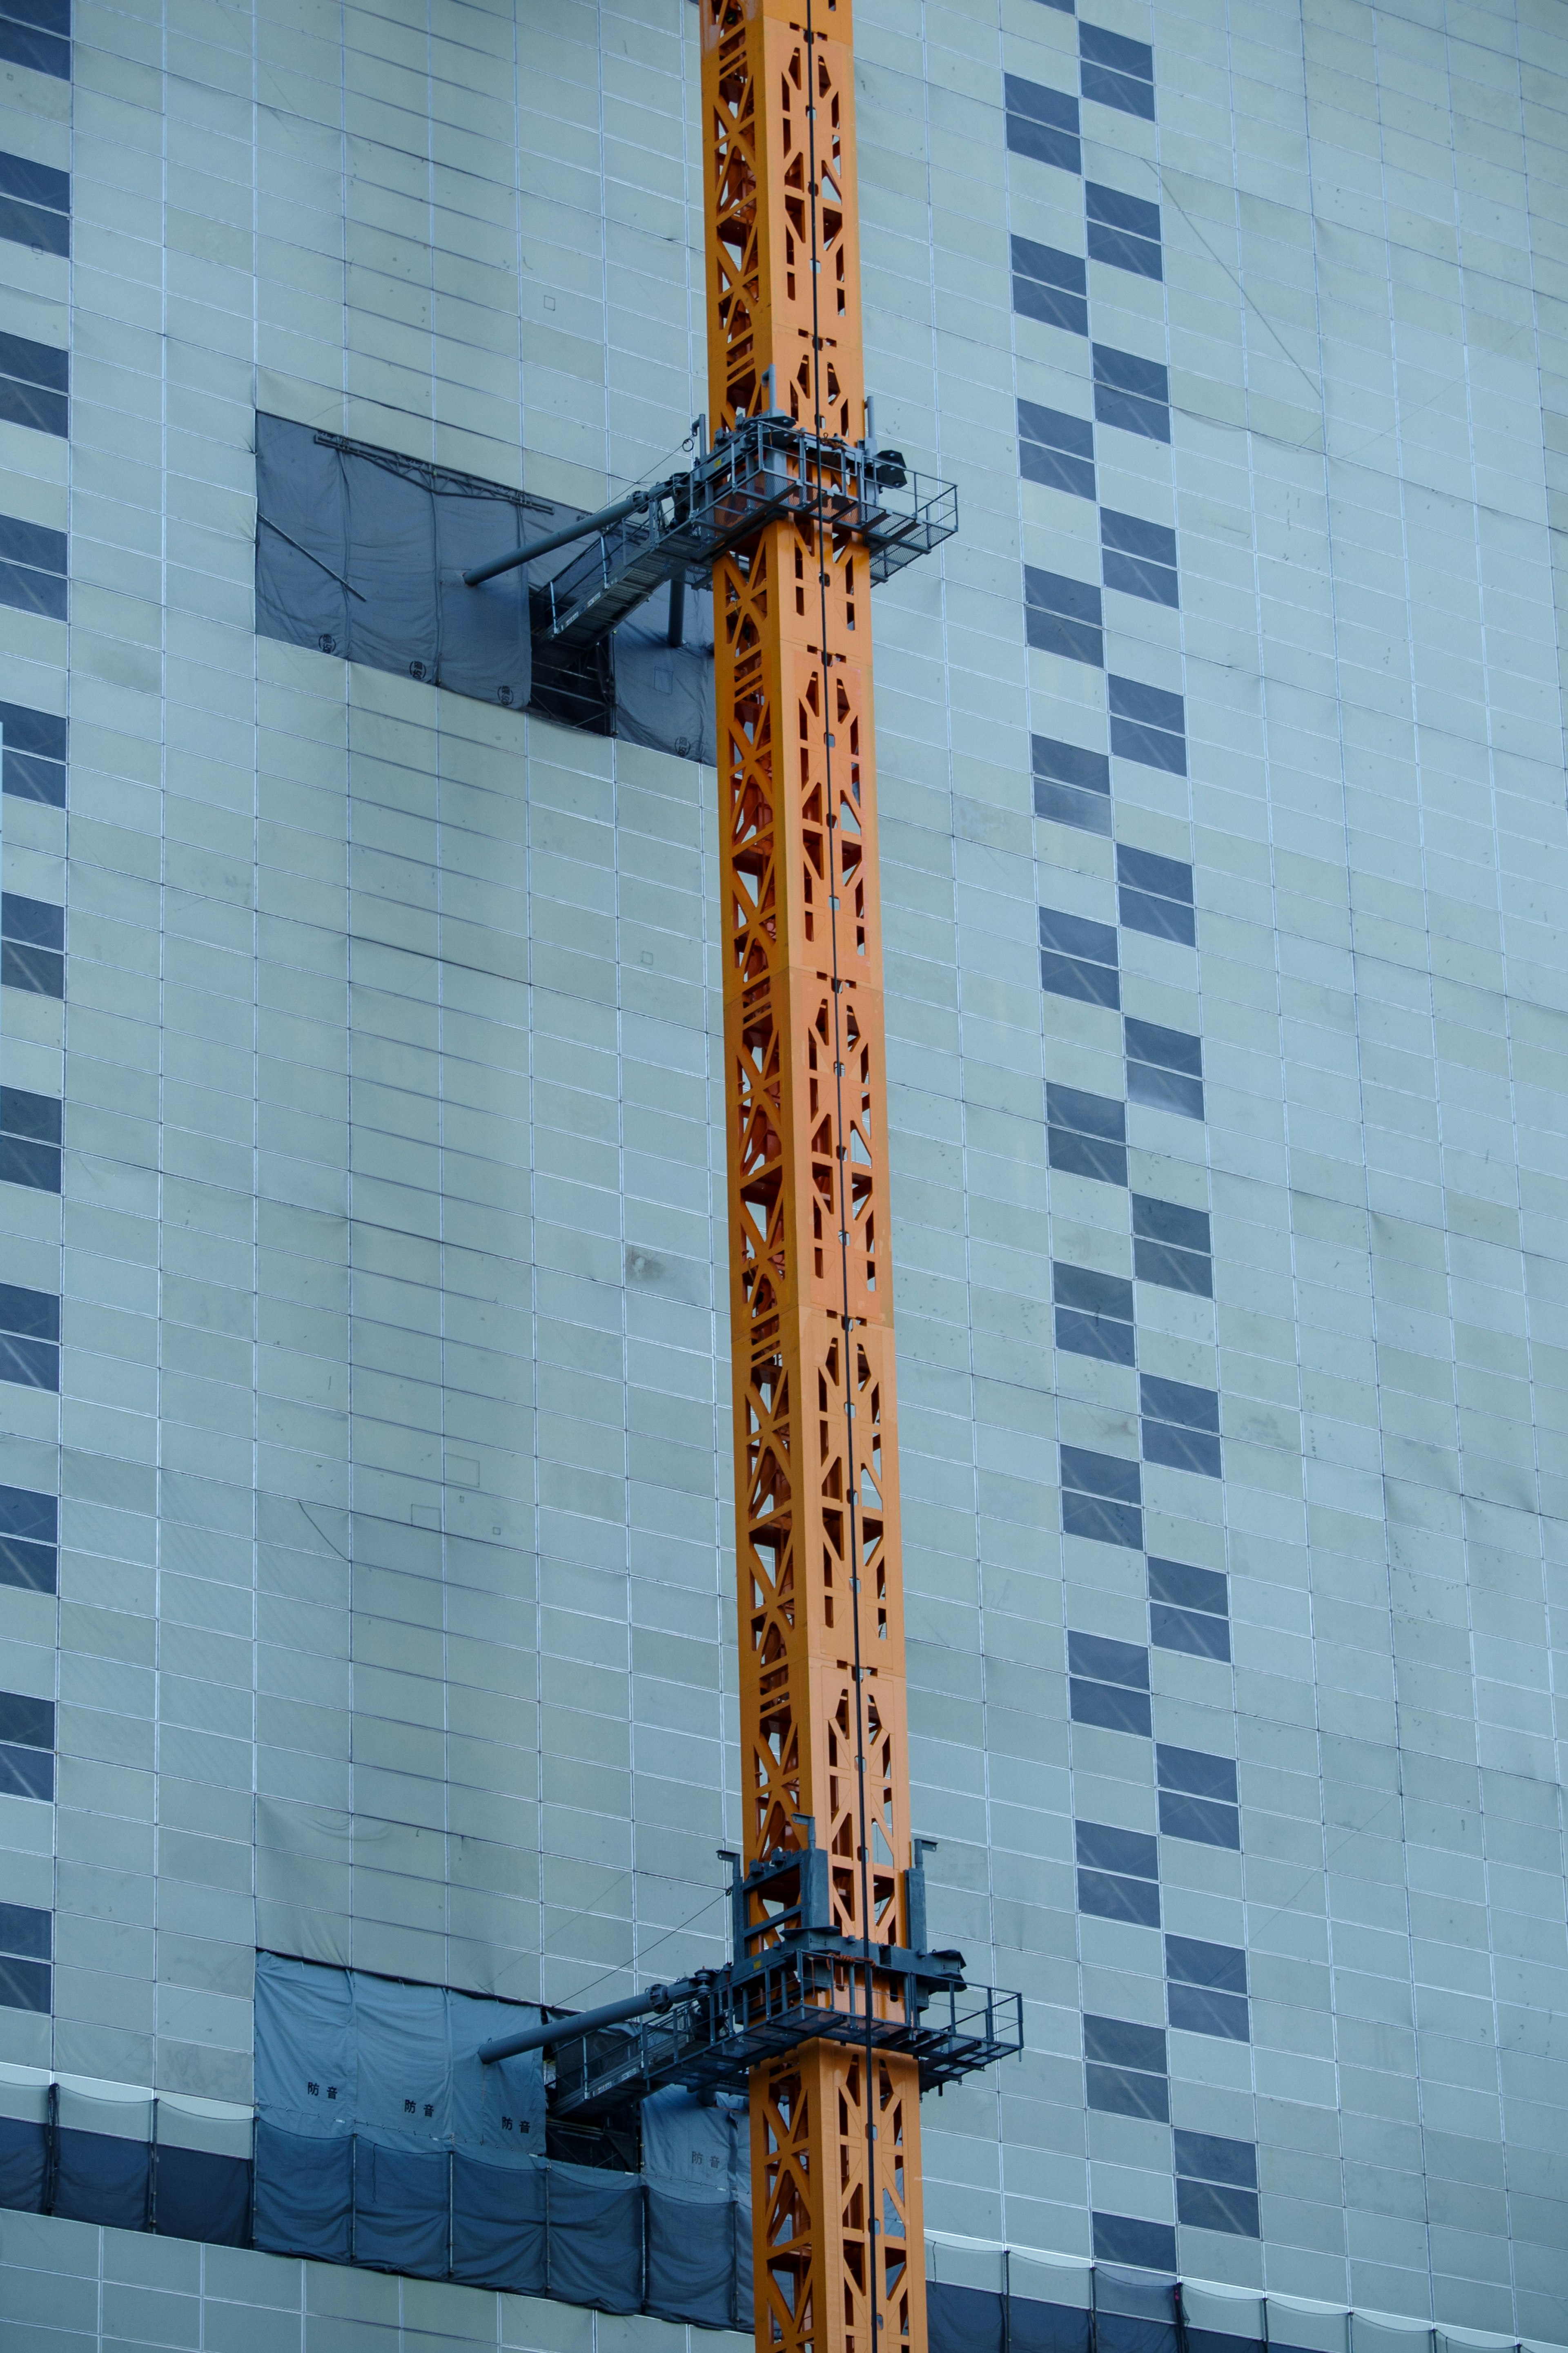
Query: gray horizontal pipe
[
  {"x": 586, "y": 2021},
  {"x": 634, "y": 503}
]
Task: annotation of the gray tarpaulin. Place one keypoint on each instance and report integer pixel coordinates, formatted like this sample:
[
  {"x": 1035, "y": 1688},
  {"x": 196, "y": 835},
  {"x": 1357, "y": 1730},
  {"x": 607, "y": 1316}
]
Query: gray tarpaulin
[
  {"x": 360, "y": 553},
  {"x": 694, "y": 2157}
]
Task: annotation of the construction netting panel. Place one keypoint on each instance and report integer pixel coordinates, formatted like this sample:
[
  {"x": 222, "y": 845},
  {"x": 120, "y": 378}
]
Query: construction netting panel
[
  {"x": 382, "y": 2140},
  {"x": 360, "y": 553}
]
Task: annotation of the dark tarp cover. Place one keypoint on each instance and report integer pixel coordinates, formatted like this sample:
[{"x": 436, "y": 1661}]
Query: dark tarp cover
[
  {"x": 98, "y": 2178},
  {"x": 402, "y": 2208},
  {"x": 304, "y": 2194},
  {"x": 498, "y": 2224},
  {"x": 690, "y": 2256},
  {"x": 1034, "y": 2327},
  {"x": 595, "y": 2247},
  {"x": 963, "y": 2319},
  {"x": 200, "y": 2195},
  {"x": 24, "y": 2164},
  {"x": 360, "y": 553}
]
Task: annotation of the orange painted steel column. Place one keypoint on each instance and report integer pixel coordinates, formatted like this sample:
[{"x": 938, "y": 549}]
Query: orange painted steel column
[{"x": 838, "y": 2232}]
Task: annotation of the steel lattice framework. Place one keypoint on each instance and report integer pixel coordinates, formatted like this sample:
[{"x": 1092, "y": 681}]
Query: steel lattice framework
[{"x": 838, "y": 2239}]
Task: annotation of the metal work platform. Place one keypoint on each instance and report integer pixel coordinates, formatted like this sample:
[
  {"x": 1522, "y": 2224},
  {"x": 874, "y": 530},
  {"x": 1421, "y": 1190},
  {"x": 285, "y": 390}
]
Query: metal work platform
[
  {"x": 725, "y": 2022},
  {"x": 765, "y": 471}
]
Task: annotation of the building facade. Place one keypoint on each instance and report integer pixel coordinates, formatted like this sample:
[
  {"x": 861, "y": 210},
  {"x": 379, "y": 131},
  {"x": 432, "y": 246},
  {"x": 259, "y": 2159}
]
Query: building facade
[{"x": 365, "y": 1572}]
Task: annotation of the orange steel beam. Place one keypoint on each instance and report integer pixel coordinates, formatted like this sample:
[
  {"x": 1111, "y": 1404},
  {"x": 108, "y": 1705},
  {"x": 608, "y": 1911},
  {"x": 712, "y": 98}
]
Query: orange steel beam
[{"x": 838, "y": 2233}]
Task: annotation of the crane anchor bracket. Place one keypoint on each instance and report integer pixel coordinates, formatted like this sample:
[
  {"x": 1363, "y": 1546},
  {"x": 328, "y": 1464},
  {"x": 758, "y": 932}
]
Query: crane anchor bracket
[{"x": 764, "y": 472}]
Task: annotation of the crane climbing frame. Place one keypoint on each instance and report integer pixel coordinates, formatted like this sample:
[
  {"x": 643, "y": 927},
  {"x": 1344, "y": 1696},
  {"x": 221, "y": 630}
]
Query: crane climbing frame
[{"x": 835, "y": 2136}]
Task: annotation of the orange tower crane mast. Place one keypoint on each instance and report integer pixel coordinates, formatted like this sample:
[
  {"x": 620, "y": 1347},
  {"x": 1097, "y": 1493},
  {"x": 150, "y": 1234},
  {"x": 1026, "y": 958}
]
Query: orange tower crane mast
[{"x": 836, "y": 2147}]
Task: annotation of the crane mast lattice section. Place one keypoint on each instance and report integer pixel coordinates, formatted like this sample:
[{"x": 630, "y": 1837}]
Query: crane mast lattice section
[{"x": 837, "y": 2217}]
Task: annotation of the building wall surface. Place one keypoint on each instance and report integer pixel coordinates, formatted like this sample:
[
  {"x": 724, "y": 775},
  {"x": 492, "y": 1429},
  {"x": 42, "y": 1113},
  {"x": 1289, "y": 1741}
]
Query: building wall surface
[{"x": 394, "y": 1623}]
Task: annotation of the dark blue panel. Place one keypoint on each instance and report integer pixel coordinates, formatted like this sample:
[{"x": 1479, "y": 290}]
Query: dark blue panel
[
  {"x": 1210, "y": 2157},
  {"x": 38, "y": 183},
  {"x": 1077, "y": 935},
  {"x": 29, "y": 1314},
  {"x": 40, "y": 971},
  {"x": 1111, "y": 1707},
  {"x": 690, "y": 2258},
  {"x": 23, "y": 45},
  {"x": 1096, "y": 1294},
  {"x": 31, "y": 778},
  {"x": 1179, "y": 1401},
  {"x": 24, "y": 2164},
  {"x": 1127, "y": 2092},
  {"x": 33, "y": 731},
  {"x": 1182, "y": 1449},
  {"x": 402, "y": 2203},
  {"x": 1038, "y": 99},
  {"x": 23, "y": 1985},
  {"x": 1056, "y": 428},
  {"x": 1102, "y": 1474},
  {"x": 1126, "y": 92},
  {"x": 1120, "y": 2043},
  {"x": 498, "y": 2225},
  {"x": 30, "y": 404},
  {"x": 43, "y": 364},
  {"x": 1130, "y": 699},
  {"x": 33, "y": 592},
  {"x": 1206, "y": 2206},
  {"x": 1033, "y": 2328},
  {"x": 1108, "y": 1897},
  {"x": 23, "y": 1113},
  {"x": 28, "y": 1720},
  {"x": 1107, "y": 1337},
  {"x": 1104, "y": 1847},
  {"x": 1127, "y": 372},
  {"x": 1071, "y": 764},
  {"x": 1099, "y": 1522},
  {"x": 1165, "y": 1090},
  {"x": 1108, "y": 1662},
  {"x": 34, "y": 1165},
  {"x": 1134, "y": 575},
  {"x": 1189, "y": 1960},
  {"x": 1087, "y": 1155},
  {"x": 596, "y": 2238},
  {"x": 1050, "y": 265},
  {"x": 1052, "y": 305},
  {"x": 1103, "y": 47},
  {"x": 48, "y": 15},
  {"x": 24, "y": 1512},
  {"x": 1172, "y": 1270},
  {"x": 1189, "y": 1588},
  {"x": 1122, "y": 251},
  {"x": 37, "y": 921},
  {"x": 1197, "y": 1771},
  {"x": 1171, "y": 1049},
  {"x": 1120, "y": 211},
  {"x": 1121, "y": 2239},
  {"x": 32, "y": 544},
  {"x": 1049, "y": 633},
  {"x": 1055, "y": 469},
  {"x": 1089, "y": 1114},
  {"x": 1203, "y": 1821},
  {"x": 304, "y": 2195},
  {"x": 1201, "y": 1636},
  {"x": 1090, "y": 984},
  {"x": 963, "y": 2319},
  {"x": 100, "y": 2178},
  {"x": 1163, "y": 919},
  {"x": 33, "y": 226},
  {"x": 26, "y": 1772},
  {"x": 1130, "y": 535},
  {"x": 1198, "y": 2010},
  {"x": 31, "y": 1568},
  {"x": 1044, "y": 143},
  {"x": 25, "y": 1931},
  {"x": 197, "y": 2195},
  {"x": 1152, "y": 747},
  {"x": 1168, "y": 878},
  {"x": 1058, "y": 592},
  {"x": 1129, "y": 413}
]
